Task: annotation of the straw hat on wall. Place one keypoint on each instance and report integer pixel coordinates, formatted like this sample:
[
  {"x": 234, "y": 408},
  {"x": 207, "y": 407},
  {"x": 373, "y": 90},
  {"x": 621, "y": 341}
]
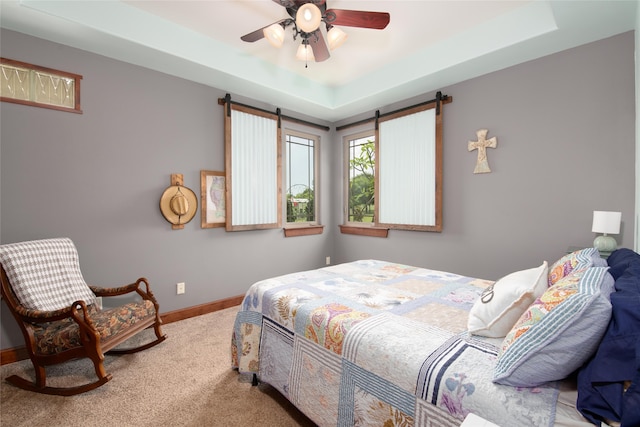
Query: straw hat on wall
[{"x": 178, "y": 204}]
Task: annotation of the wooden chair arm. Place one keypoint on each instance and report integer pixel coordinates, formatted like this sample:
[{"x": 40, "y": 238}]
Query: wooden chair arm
[
  {"x": 112, "y": 292},
  {"x": 84, "y": 320},
  {"x": 41, "y": 316},
  {"x": 122, "y": 290}
]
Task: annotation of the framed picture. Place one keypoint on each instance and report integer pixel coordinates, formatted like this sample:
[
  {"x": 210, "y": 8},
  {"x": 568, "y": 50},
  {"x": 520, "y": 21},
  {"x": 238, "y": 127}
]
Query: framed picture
[{"x": 212, "y": 199}]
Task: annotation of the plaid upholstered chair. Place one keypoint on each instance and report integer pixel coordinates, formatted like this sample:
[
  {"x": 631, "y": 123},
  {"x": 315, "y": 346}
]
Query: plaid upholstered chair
[{"x": 58, "y": 312}]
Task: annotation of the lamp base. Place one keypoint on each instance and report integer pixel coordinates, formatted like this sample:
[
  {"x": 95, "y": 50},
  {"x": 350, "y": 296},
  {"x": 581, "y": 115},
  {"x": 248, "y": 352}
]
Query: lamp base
[{"x": 605, "y": 243}]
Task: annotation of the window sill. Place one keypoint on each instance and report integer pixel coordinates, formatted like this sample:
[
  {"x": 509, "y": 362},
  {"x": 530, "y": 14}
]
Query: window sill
[
  {"x": 303, "y": 231},
  {"x": 364, "y": 231}
]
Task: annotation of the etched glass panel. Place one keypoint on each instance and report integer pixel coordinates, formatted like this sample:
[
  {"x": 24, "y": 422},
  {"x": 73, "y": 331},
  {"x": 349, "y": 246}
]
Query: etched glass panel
[
  {"x": 15, "y": 83},
  {"x": 54, "y": 90},
  {"x": 300, "y": 177},
  {"x": 27, "y": 84}
]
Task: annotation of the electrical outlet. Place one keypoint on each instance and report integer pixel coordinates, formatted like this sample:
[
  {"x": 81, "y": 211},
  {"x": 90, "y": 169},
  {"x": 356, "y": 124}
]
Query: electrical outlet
[
  {"x": 180, "y": 288},
  {"x": 328, "y": 260}
]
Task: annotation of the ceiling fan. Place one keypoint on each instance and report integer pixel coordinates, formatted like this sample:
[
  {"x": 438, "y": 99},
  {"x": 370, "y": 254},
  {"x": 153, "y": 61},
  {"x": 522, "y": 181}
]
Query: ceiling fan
[{"x": 307, "y": 17}]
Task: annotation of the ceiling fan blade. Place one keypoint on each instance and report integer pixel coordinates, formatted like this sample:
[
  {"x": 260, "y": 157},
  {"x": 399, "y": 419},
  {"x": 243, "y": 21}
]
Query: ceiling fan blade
[
  {"x": 357, "y": 18},
  {"x": 259, "y": 33},
  {"x": 301, "y": 2},
  {"x": 319, "y": 46},
  {"x": 286, "y": 3}
]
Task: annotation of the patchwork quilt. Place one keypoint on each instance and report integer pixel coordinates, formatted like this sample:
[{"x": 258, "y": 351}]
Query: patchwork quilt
[{"x": 377, "y": 343}]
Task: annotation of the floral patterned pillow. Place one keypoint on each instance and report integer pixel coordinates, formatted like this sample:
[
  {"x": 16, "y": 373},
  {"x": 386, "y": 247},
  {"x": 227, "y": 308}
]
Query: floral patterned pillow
[
  {"x": 576, "y": 260},
  {"x": 558, "y": 332}
]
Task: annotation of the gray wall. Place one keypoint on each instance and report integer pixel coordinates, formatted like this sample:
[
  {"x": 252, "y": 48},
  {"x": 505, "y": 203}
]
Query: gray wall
[
  {"x": 565, "y": 126},
  {"x": 97, "y": 178},
  {"x": 565, "y": 129}
]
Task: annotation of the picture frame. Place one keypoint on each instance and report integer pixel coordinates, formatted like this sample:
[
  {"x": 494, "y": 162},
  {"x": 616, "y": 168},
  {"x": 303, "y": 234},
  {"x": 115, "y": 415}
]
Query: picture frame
[{"x": 212, "y": 199}]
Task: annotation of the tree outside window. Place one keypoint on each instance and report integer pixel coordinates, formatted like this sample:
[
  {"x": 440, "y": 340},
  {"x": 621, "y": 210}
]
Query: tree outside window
[{"x": 361, "y": 188}]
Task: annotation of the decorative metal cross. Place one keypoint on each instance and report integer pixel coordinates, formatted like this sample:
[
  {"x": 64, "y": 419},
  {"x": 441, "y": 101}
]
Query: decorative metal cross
[{"x": 482, "y": 165}]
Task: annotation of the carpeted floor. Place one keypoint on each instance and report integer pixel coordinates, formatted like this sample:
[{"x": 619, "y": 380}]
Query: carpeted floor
[{"x": 184, "y": 381}]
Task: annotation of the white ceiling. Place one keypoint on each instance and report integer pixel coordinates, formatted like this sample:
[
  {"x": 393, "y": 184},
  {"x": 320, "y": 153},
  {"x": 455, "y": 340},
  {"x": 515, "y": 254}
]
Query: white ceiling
[{"x": 427, "y": 45}]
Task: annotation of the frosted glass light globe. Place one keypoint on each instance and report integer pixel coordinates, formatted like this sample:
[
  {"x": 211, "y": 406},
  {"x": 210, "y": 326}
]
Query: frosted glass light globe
[{"x": 308, "y": 17}]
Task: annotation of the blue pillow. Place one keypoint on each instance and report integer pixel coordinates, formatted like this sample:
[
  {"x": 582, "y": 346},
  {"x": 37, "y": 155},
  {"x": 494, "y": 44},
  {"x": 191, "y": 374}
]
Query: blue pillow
[
  {"x": 559, "y": 332},
  {"x": 620, "y": 259},
  {"x": 601, "y": 380}
]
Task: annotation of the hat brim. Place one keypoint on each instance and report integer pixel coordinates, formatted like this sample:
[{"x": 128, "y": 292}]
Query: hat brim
[{"x": 169, "y": 214}]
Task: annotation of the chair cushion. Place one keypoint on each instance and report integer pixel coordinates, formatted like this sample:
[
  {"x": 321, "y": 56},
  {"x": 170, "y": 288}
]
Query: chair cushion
[
  {"x": 54, "y": 337},
  {"x": 45, "y": 274}
]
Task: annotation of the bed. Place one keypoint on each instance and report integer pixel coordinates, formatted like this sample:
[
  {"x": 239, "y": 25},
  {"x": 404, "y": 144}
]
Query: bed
[{"x": 372, "y": 342}]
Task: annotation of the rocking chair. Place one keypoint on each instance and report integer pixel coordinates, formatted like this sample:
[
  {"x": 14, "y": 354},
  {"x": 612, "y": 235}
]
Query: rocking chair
[{"x": 59, "y": 315}]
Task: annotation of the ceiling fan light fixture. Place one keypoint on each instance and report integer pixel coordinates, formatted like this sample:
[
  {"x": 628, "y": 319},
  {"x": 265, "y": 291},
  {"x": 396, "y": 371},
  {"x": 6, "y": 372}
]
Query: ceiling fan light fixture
[
  {"x": 308, "y": 17},
  {"x": 305, "y": 53},
  {"x": 336, "y": 37},
  {"x": 275, "y": 35}
]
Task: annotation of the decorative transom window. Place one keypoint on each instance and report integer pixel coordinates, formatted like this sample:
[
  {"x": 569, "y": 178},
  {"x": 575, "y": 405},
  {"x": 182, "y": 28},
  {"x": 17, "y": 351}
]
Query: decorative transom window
[{"x": 27, "y": 84}]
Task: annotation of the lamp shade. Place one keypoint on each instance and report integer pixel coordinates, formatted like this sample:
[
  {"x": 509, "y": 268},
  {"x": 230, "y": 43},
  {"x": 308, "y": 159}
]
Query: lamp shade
[
  {"x": 606, "y": 222},
  {"x": 308, "y": 17},
  {"x": 274, "y": 33},
  {"x": 305, "y": 53},
  {"x": 335, "y": 37}
]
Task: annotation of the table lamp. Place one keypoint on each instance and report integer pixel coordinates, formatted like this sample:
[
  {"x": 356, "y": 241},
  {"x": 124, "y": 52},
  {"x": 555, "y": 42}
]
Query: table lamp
[{"x": 606, "y": 223}]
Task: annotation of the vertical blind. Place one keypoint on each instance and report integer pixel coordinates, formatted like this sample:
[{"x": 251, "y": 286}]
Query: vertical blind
[
  {"x": 406, "y": 172},
  {"x": 253, "y": 171}
]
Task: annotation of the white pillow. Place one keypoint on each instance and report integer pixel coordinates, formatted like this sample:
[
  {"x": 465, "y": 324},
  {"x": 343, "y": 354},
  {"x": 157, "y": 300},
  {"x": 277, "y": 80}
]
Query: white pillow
[{"x": 512, "y": 295}]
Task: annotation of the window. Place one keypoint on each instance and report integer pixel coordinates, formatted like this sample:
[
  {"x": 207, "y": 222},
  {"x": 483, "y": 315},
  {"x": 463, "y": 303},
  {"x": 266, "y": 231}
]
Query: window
[
  {"x": 27, "y": 84},
  {"x": 300, "y": 177},
  {"x": 360, "y": 170},
  {"x": 254, "y": 171},
  {"x": 393, "y": 174}
]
